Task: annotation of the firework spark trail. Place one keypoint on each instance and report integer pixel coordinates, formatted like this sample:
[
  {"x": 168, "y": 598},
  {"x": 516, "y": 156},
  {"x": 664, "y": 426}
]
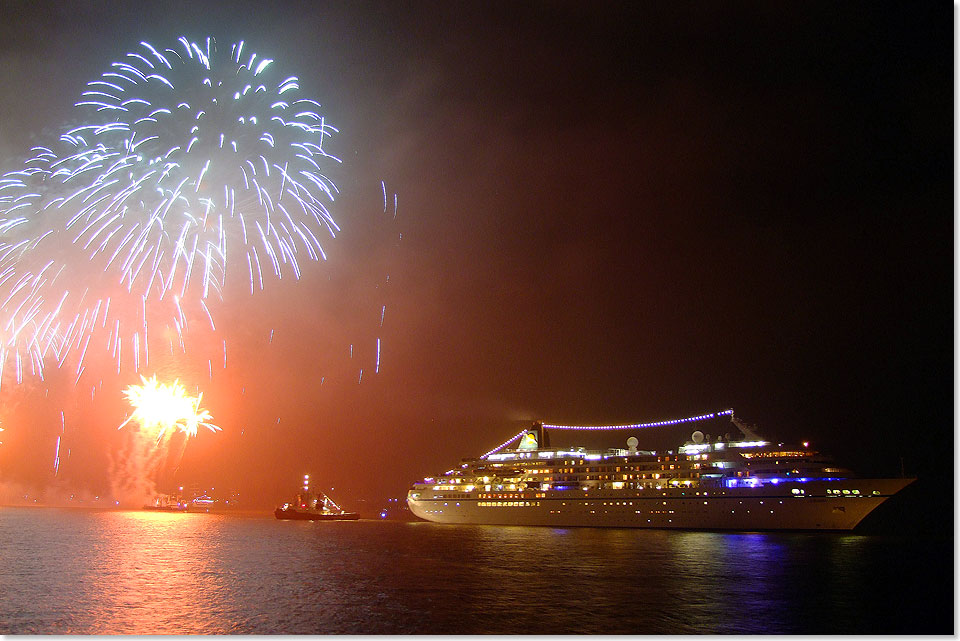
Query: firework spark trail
[
  {"x": 56, "y": 458},
  {"x": 187, "y": 156}
]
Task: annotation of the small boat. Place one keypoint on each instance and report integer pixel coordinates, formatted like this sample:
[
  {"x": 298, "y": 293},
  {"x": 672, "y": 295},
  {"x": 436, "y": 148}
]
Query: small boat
[
  {"x": 313, "y": 506},
  {"x": 291, "y": 512},
  {"x": 166, "y": 503}
]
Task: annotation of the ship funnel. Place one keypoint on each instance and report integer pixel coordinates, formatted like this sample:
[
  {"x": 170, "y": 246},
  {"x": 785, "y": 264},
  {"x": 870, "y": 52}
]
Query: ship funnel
[
  {"x": 528, "y": 441},
  {"x": 543, "y": 436}
]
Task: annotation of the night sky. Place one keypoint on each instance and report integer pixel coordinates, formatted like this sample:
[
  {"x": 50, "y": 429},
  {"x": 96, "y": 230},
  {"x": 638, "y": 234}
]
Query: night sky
[{"x": 606, "y": 213}]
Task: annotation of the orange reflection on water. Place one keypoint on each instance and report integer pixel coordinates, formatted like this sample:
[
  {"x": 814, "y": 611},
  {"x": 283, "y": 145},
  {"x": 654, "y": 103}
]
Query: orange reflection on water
[{"x": 156, "y": 574}]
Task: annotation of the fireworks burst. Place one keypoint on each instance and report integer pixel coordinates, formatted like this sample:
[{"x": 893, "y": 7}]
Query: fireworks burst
[
  {"x": 164, "y": 408},
  {"x": 187, "y": 156},
  {"x": 192, "y": 174}
]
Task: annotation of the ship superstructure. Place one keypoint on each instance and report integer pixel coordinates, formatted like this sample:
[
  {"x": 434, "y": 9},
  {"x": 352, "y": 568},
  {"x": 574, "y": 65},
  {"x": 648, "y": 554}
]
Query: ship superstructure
[{"x": 708, "y": 483}]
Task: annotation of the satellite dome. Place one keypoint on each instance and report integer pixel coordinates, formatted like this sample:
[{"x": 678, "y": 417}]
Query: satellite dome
[{"x": 697, "y": 437}]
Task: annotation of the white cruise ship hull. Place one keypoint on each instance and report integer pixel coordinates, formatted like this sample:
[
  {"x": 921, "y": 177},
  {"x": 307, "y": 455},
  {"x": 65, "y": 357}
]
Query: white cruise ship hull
[{"x": 812, "y": 505}]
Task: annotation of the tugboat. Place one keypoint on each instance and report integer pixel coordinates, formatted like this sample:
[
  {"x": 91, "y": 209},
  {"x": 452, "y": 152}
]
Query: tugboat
[{"x": 313, "y": 506}]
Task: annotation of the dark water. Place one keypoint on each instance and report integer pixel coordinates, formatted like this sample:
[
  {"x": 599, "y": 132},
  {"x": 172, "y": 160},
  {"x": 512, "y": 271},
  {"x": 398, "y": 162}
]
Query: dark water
[{"x": 97, "y": 572}]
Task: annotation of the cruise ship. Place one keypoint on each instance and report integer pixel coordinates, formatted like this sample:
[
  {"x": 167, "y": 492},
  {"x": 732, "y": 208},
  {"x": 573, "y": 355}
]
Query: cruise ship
[{"x": 710, "y": 482}]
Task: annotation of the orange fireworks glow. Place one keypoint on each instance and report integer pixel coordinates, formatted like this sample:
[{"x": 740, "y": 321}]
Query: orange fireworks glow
[{"x": 162, "y": 407}]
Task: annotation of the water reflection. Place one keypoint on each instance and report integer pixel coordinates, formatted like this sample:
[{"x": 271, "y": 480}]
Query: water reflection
[
  {"x": 154, "y": 571},
  {"x": 645, "y": 581},
  {"x": 90, "y": 572}
]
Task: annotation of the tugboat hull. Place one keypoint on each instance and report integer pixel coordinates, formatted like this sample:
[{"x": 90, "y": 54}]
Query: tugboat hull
[{"x": 297, "y": 515}]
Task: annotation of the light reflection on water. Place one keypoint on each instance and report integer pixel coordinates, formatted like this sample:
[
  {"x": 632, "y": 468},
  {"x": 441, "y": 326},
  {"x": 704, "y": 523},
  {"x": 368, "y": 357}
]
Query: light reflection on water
[
  {"x": 101, "y": 572},
  {"x": 155, "y": 572}
]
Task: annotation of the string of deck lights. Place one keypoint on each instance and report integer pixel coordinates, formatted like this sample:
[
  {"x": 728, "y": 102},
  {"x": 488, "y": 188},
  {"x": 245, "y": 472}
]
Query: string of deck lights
[
  {"x": 505, "y": 443},
  {"x": 676, "y": 421}
]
